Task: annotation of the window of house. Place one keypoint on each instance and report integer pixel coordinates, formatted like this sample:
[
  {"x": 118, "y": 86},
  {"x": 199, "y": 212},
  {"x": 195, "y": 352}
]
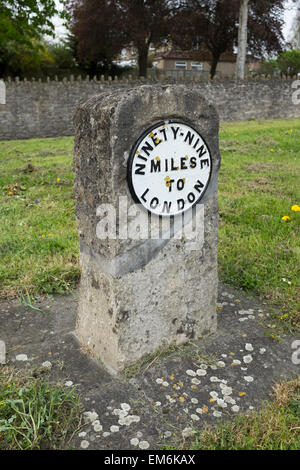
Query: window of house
[
  {"x": 196, "y": 65},
  {"x": 181, "y": 65}
]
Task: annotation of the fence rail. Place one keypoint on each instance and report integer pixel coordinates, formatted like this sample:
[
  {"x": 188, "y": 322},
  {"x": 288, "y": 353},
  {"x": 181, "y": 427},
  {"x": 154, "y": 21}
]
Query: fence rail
[{"x": 173, "y": 76}]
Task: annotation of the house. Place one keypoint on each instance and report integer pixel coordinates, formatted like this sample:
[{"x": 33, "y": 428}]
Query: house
[
  {"x": 198, "y": 63},
  {"x": 129, "y": 56}
]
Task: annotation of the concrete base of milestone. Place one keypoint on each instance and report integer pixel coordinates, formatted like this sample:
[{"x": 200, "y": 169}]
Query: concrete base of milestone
[
  {"x": 163, "y": 400},
  {"x": 137, "y": 295}
]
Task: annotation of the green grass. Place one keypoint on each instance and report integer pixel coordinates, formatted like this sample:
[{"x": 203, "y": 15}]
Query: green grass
[
  {"x": 38, "y": 236},
  {"x": 275, "y": 427},
  {"x": 259, "y": 183},
  {"x": 35, "y": 414}
]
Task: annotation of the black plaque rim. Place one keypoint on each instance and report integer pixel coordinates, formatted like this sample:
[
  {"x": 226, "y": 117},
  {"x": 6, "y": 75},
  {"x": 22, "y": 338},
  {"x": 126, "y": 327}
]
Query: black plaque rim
[{"x": 132, "y": 155}]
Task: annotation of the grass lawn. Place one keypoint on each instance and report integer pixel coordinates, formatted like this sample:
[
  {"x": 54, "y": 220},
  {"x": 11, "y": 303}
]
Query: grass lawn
[
  {"x": 259, "y": 184},
  {"x": 35, "y": 414},
  {"x": 38, "y": 238},
  {"x": 274, "y": 427}
]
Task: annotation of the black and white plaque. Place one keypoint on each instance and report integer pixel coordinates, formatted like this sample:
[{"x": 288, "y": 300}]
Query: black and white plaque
[{"x": 169, "y": 168}]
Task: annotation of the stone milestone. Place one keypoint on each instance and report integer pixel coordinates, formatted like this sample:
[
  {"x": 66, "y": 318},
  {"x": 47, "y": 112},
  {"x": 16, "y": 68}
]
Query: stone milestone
[{"x": 146, "y": 162}]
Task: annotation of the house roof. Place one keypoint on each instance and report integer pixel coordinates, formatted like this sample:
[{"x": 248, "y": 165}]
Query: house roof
[{"x": 203, "y": 55}]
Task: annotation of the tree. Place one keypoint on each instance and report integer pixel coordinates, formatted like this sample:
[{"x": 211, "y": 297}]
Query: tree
[
  {"x": 206, "y": 25},
  {"x": 28, "y": 60},
  {"x": 103, "y": 27},
  {"x": 268, "y": 67},
  {"x": 295, "y": 30},
  {"x": 21, "y": 23},
  {"x": 146, "y": 22},
  {"x": 96, "y": 27},
  {"x": 242, "y": 40},
  {"x": 21, "y": 20},
  {"x": 212, "y": 25},
  {"x": 289, "y": 63},
  {"x": 62, "y": 55}
]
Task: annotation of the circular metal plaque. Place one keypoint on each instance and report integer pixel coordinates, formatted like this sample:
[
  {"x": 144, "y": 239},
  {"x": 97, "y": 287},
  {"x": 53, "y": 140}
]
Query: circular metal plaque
[{"x": 169, "y": 168}]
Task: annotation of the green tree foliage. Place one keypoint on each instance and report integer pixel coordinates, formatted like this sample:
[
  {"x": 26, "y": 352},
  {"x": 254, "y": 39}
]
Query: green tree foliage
[
  {"x": 22, "y": 25},
  {"x": 268, "y": 67},
  {"x": 20, "y": 20},
  {"x": 286, "y": 64},
  {"x": 62, "y": 55},
  {"x": 289, "y": 63},
  {"x": 27, "y": 60}
]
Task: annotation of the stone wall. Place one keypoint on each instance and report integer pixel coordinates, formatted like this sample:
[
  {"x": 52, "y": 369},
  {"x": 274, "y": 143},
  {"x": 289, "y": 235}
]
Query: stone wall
[{"x": 45, "y": 109}]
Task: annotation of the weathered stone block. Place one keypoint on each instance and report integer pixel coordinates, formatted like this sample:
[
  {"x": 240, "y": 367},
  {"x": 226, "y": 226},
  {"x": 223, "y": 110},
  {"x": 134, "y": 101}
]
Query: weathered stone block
[{"x": 137, "y": 294}]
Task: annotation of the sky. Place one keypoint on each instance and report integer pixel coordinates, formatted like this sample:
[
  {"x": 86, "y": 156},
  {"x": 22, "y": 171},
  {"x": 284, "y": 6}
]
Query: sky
[
  {"x": 289, "y": 15},
  {"x": 60, "y": 30}
]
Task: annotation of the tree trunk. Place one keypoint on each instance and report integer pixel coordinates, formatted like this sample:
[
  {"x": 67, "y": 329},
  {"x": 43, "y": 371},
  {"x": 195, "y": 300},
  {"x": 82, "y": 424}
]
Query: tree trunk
[
  {"x": 143, "y": 60},
  {"x": 242, "y": 41},
  {"x": 214, "y": 64}
]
